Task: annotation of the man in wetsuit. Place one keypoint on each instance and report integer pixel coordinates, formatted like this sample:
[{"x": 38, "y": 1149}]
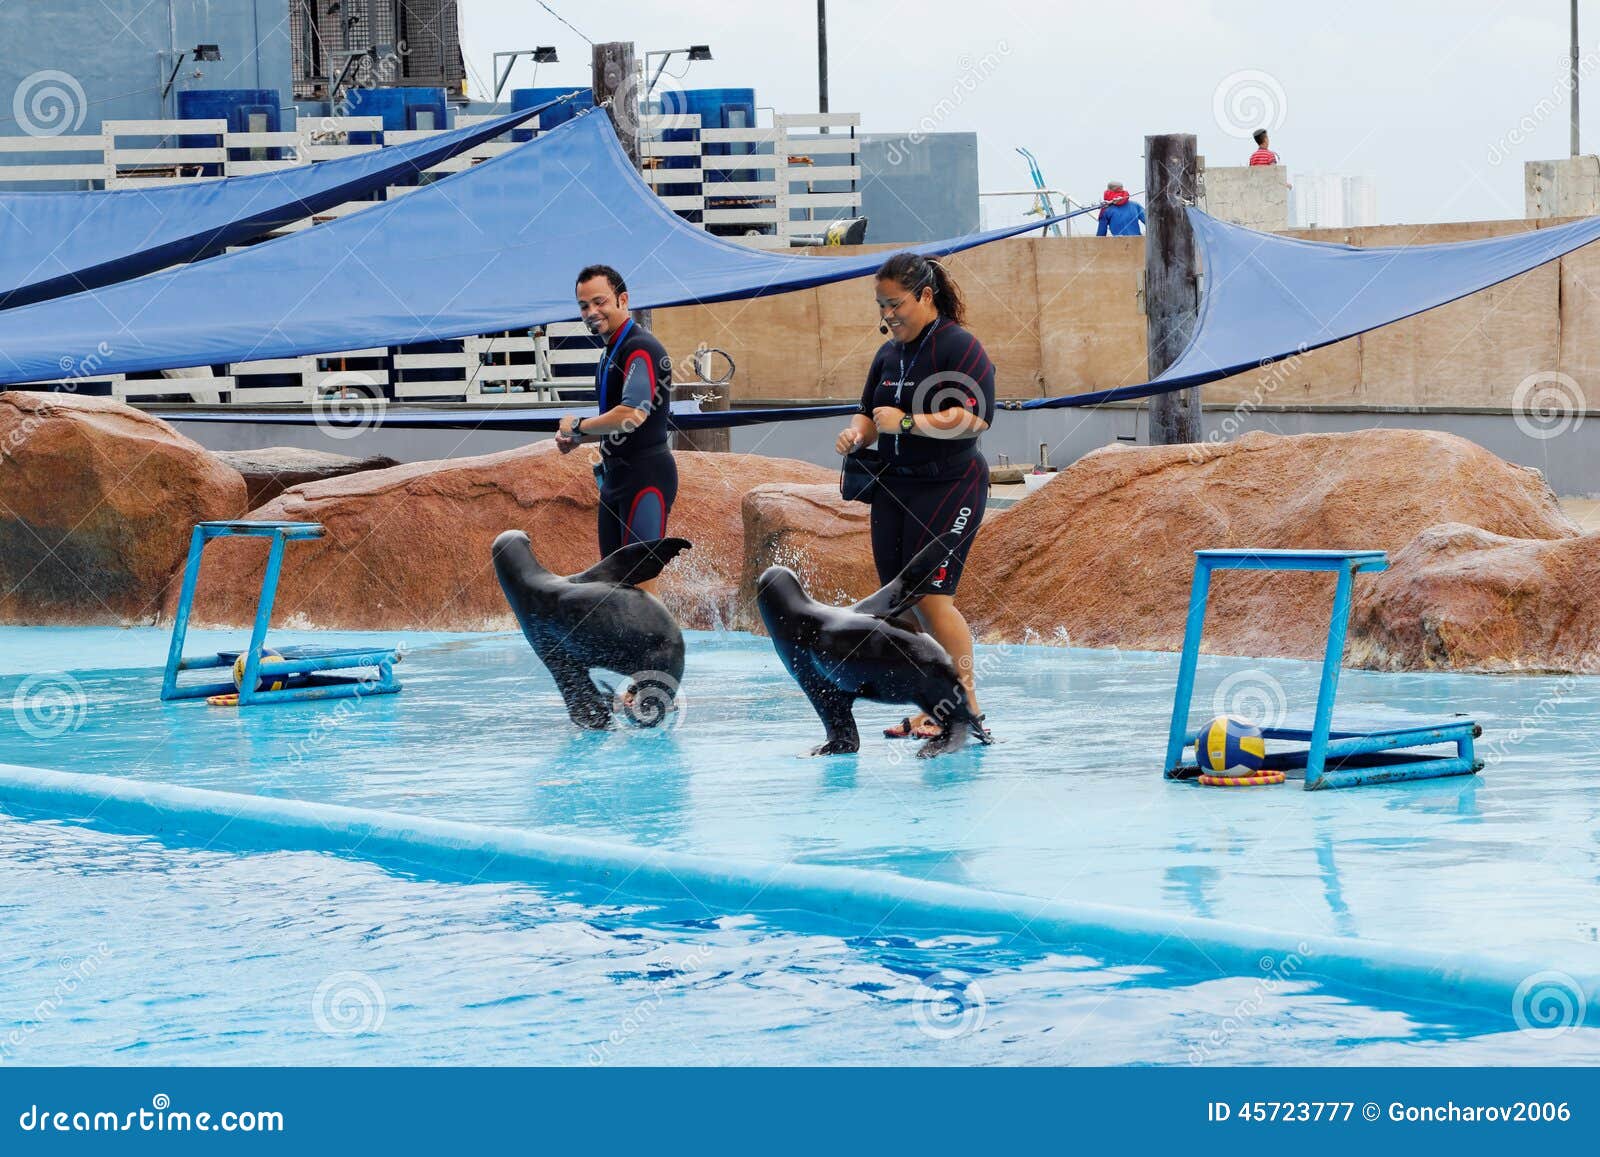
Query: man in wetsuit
[{"x": 633, "y": 386}]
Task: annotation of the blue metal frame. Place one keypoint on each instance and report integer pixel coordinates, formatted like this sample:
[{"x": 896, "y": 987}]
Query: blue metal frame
[
  {"x": 295, "y": 660},
  {"x": 1356, "y": 754}
]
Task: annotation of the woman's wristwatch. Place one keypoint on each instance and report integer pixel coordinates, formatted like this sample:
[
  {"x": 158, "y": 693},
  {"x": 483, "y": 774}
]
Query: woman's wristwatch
[
  {"x": 577, "y": 427},
  {"x": 907, "y": 424}
]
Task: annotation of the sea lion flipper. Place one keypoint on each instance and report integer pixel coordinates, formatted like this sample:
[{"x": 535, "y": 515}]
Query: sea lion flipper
[
  {"x": 835, "y": 708},
  {"x": 636, "y": 563},
  {"x": 903, "y": 591},
  {"x": 586, "y": 706}
]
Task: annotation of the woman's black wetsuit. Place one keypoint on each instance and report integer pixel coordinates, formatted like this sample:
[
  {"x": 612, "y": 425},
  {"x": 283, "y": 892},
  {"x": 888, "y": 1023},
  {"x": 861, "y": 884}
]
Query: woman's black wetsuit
[{"x": 932, "y": 485}]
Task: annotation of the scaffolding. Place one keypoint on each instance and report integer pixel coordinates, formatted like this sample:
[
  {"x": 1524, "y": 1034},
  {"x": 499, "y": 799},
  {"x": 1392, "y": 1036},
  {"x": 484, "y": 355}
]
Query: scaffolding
[{"x": 374, "y": 43}]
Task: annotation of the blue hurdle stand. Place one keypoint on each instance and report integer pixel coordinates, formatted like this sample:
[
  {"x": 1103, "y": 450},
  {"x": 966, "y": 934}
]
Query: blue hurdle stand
[
  {"x": 1334, "y": 757},
  {"x": 309, "y": 661}
]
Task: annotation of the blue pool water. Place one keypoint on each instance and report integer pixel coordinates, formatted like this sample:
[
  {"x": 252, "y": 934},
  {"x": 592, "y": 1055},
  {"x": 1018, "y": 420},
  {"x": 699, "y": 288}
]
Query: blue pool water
[{"x": 216, "y": 956}]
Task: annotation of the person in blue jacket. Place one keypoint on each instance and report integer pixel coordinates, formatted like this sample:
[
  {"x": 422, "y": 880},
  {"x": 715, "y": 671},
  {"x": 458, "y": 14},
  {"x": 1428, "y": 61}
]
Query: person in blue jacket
[{"x": 1119, "y": 217}]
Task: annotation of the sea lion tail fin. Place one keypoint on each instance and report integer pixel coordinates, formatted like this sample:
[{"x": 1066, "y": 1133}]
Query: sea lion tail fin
[
  {"x": 635, "y": 563},
  {"x": 911, "y": 584}
]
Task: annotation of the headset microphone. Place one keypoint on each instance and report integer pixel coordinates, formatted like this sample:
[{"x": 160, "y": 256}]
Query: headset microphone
[{"x": 882, "y": 328}]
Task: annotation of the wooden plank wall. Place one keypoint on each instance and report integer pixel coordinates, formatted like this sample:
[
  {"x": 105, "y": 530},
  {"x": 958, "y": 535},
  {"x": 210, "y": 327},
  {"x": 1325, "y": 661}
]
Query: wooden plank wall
[{"x": 1062, "y": 315}]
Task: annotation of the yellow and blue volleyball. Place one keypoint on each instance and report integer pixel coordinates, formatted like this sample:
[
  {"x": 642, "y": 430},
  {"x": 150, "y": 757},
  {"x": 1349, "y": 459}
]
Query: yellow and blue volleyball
[
  {"x": 262, "y": 684},
  {"x": 1229, "y": 744}
]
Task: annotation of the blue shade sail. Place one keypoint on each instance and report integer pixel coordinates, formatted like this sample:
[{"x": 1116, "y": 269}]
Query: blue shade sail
[
  {"x": 54, "y": 244},
  {"x": 490, "y": 249},
  {"x": 1268, "y": 297}
]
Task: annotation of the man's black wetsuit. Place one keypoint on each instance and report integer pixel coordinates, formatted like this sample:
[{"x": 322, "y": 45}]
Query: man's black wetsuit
[
  {"x": 932, "y": 485},
  {"x": 637, "y": 475}
]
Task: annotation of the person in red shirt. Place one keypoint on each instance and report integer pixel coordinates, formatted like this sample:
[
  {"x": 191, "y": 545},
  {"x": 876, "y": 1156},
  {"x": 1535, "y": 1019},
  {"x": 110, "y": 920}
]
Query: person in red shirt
[{"x": 1263, "y": 154}]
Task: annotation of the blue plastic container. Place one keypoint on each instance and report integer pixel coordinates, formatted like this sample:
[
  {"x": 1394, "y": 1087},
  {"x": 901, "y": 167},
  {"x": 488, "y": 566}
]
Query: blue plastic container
[
  {"x": 718, "y": 108},
  {"x": 388, "y": 103},
  {"x": 522, "y": 98},
  {"x": 425, "y": 109},
  {"x": 234, "y": 105}
]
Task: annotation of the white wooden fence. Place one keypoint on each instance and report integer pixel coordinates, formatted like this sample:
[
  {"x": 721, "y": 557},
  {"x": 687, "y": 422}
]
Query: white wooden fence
[
  {"x": 777, "y": 201},
  {"x": 786, "y": 161}
]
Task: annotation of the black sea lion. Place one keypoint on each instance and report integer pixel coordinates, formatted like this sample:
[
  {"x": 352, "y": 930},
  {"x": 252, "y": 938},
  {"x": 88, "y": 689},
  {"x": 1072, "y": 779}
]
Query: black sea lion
[
  {"x": 598, "y": 620},
  {"x": 873, "y": 650}
]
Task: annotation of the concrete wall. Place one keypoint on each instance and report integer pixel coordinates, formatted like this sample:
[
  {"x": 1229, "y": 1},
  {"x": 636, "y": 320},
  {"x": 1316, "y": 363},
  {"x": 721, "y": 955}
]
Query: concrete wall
[
  {"x": 1569, "y": 187},
  {"x": 1062, "y": 316},
  {"x": 919, "y": 191},
  {"x": 1255, "y": 196},
  {"x": 117, "y": 54}
]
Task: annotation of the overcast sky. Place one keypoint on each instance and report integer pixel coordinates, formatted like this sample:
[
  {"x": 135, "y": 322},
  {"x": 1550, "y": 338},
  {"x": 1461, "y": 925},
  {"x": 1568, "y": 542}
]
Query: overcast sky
[{"x": 1438, "y": 100}]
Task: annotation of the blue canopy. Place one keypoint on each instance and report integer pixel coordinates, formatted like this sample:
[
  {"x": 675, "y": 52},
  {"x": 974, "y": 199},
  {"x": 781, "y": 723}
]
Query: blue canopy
[
  {"x": 52, "y": 244},
  {"x": 1268, "y": 297},
  {"x": 490, "y": 249}
]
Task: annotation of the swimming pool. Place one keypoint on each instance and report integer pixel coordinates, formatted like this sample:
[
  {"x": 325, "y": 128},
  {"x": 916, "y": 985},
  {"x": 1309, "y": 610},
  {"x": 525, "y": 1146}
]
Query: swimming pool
[{"x": 1070, "y": 805}]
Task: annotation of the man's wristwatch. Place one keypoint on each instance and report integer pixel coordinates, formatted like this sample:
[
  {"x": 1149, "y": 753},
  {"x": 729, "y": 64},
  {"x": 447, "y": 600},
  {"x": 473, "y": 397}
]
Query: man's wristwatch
[
  {"x": 907, "y": 424},
  {"x": 577, "y": 427}
]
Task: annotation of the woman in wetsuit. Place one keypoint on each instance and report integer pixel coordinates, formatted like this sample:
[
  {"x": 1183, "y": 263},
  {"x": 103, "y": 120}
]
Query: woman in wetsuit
[{"x": 929, "y": 395}]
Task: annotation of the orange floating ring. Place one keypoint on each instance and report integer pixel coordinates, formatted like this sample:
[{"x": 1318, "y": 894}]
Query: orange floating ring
[
  {"x": 230, "y": 700},
  {"x": 1259, "y": 779}
]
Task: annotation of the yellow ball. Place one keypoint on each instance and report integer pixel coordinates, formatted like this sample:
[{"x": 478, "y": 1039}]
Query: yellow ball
[{"x": 261, "y": 683}]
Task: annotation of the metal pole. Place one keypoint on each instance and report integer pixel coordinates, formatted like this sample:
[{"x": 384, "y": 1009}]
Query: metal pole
[
  {"x": 1575, "y": 150},
  {"x": 1171, "y": 279},
  {"x": 822, "y": 58}
]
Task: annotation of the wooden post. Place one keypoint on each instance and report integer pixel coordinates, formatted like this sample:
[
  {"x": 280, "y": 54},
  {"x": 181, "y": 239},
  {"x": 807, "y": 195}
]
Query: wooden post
[
  {"x": 822, "y": 58},
  {"x": 715, "y": 441},
  {"x": 1171, "y": 279},
  {"x": 615, "y": 78}
]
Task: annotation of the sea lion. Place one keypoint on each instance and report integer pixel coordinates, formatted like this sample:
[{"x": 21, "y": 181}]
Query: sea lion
[
  {"x": 598, "y": 619},
  {"x": 872, "y": 650}
]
